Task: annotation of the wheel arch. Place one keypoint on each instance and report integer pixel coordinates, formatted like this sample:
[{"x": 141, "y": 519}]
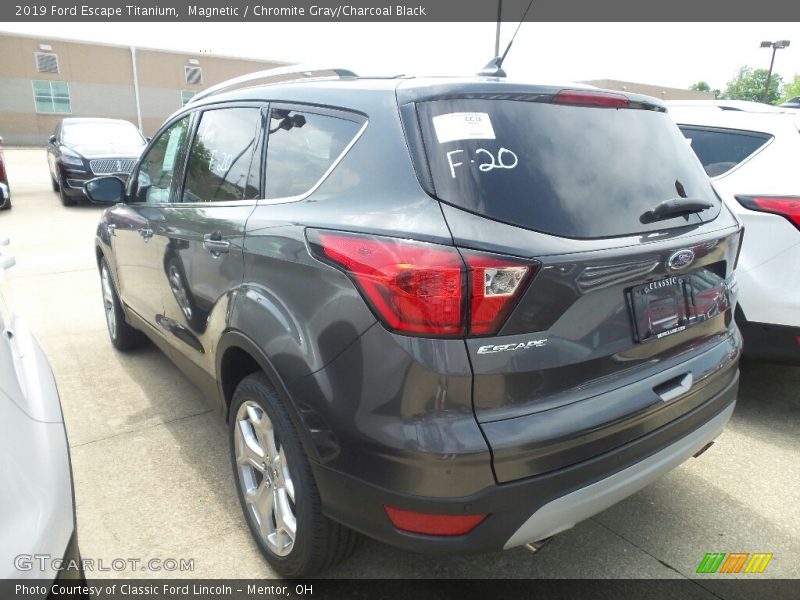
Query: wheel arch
[{"x": 237, "y": 356}]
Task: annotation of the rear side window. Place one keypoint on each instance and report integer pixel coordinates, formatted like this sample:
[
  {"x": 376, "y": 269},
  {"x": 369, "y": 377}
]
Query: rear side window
[
  {"x": 571, "y": 171},
  {"x": 720, "y": 150},
  {"x": 221, "y": 165},
  {"x": 301, "y": 148}
]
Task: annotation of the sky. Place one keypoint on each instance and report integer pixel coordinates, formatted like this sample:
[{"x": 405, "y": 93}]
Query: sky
[{"x": 667, "y": 54}]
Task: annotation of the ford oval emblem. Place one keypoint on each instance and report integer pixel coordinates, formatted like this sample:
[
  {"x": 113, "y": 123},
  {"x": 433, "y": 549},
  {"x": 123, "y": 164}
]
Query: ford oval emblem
[{"x": 680, "y": 259}]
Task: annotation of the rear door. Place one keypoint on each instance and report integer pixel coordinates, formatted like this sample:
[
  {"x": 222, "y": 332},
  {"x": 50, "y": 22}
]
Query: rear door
[
  {"x": 201, "y": 235},
  {"x": 559, "y": 192}
]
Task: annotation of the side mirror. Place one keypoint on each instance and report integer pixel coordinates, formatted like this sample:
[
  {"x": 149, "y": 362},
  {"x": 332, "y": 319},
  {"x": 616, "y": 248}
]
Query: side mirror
[
  {"x": 104, "y": 190},
  {"x": 52, "y": 139}
]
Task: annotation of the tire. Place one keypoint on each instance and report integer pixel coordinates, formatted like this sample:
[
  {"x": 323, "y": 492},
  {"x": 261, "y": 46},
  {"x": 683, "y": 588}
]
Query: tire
[
  {"x": 54, "y": 184},
  {"x": 7, "y": 205},
  {"x": 121, "y": 334},
  {"x": 259, "y": 421}
]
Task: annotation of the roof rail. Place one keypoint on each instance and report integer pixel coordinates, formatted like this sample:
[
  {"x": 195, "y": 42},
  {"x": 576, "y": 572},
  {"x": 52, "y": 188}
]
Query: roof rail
[{"x": 303, "y": 71}]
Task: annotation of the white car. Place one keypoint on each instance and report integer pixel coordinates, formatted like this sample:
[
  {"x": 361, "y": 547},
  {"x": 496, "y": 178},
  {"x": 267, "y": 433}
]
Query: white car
[
  {"x": 38, "y": 539},
  {"x": 750, "y": 152}
]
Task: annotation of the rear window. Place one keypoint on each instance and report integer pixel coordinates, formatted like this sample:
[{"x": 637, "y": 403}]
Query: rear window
[
  {"x": 571, "y": 171},
  {"x": 720, "y": 150}
]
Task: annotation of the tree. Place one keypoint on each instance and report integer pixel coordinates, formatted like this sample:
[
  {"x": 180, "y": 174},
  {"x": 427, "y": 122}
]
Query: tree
[
  {"x": 791, "y": 89},
  {"x": 702, "y": 86},
  {"x": 749, "y": 84}
]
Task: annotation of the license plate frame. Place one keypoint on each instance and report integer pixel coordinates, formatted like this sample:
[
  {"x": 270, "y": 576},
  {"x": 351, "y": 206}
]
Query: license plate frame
[{"x": 660, "y": 308}]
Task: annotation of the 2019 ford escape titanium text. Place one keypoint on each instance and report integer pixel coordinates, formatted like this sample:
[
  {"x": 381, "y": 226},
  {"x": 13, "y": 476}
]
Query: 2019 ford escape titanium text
[{"x": 454, "y": 315}]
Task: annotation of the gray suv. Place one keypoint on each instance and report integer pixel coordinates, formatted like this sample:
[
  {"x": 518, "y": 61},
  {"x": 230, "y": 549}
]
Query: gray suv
[{"x": 454, "y": 315}]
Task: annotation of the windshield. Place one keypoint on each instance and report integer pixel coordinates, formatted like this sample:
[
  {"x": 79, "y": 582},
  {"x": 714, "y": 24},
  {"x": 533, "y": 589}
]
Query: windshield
[
  {"x": 98, "y": 134},
  {"x": 572, "y": 171}
]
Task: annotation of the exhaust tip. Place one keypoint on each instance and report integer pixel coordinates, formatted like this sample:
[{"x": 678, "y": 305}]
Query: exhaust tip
[
  {"x": 536, "y": 546},
  {"x": 703, "y": 449}
]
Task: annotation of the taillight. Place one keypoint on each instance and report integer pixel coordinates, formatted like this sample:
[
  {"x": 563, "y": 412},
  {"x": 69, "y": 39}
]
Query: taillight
[
  {"x": 426, "y": 289},
  {"x": 591, "y": 98},
  {"x": 2, "y": 169},
  {"x": 785, "y": 206},
  {"x": 494, "y": 290},
  {"x": 414, "y": 287},
  {"x": 429, "y": 524}
]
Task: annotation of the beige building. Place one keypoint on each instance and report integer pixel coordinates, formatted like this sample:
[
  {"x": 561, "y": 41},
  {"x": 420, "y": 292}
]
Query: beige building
[
  {"x": 657, "y": 91},
  {"x": 43, "y": 80}
]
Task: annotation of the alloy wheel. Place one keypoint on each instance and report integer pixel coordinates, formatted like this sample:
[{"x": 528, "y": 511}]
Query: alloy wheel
[{"x": 265, "y": 478}]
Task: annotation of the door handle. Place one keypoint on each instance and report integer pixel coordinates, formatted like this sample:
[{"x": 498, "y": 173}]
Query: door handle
[
  {"x": 675, "y": 387},
  {"x": 214, "y": 243},
  {"x": 146, "y": 233}
]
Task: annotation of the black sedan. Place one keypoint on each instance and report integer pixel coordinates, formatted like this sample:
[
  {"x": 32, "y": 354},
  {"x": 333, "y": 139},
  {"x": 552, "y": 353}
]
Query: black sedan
[{"x": 82, "y": 149}]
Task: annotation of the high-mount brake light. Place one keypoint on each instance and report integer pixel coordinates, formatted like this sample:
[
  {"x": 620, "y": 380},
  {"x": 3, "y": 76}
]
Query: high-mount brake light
[
  {"x": 785, "y": 206},
  {"x": 591, "y": 98},
  {"x": 426, "y": 289}
]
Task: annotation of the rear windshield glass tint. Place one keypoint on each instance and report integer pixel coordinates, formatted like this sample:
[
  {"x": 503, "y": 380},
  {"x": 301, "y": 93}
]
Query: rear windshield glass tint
[
  {"x": 571, "y": 171},
  {"x": 720, "y": 150}
]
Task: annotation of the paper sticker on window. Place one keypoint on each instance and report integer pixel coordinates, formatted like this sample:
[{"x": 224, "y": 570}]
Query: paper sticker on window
[{"x": 463, "y": 126}]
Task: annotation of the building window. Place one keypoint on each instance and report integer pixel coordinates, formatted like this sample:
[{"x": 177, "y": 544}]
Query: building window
[
  {"x": 194, "y": 75},
  {"x": 186, "y": 95},
  {"x": 51, "y": 97},
  {"x": 46, "y": 62}
]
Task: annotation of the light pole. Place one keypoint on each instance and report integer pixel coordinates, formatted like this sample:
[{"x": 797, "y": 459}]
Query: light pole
[
  {"x": 499, "y": 21},
  {"x": 774, "y": 46}
]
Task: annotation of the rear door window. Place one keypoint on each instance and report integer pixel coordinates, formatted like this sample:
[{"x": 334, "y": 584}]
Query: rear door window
[
  {"x": 221, "y": 164},
  {"x": 301, "y": 149},
  {"x": 720, "y": 150},
  {"x": 571, "y": 171}
]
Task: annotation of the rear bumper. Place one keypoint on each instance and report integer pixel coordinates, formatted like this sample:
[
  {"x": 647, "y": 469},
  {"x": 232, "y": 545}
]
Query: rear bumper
[
  {"x": 531, "y": 509},
  {"x": 568, "y": 510}
]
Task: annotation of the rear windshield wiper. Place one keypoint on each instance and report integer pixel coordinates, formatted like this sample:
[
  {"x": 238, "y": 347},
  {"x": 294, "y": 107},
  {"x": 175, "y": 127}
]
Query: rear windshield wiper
[{"x": 674, "y": 207}]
